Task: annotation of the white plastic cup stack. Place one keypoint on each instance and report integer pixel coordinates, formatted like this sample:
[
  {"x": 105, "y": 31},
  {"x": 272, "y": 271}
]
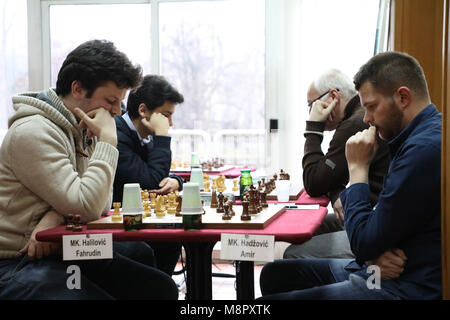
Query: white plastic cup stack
[
  {"x": 191, "y": 207},
  {"x": 195, "y": 161},
  {"x": 191, "y": 199},
  {"x": 197, "y": 177},
  {"x": 131, "y": 201}
]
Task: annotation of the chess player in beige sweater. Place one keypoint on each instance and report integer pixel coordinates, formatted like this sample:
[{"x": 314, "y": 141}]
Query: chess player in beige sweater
[
  {"x": 59, "y": 157},
  {"x": 45, "y": 166}
]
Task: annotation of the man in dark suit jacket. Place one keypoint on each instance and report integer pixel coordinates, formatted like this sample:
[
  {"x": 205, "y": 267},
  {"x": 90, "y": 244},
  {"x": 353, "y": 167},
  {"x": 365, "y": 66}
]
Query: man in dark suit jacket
[
  {"x": 144, "y": 150},
  {"x": 143, "y": 140}
]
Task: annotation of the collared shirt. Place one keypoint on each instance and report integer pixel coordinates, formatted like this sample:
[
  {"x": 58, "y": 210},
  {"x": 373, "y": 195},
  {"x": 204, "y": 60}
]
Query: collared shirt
[{"x": 130, "y": 124}]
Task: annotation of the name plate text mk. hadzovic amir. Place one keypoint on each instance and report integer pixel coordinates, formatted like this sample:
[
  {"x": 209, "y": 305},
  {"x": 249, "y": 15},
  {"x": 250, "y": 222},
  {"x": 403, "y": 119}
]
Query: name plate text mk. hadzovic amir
[
  {"x": 247, "y": 247},
  {"x": 87, "y": 246}
]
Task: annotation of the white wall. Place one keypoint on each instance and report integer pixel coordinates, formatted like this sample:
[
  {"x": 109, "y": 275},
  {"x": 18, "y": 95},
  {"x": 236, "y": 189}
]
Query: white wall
[{"x": 304, "y": 38}]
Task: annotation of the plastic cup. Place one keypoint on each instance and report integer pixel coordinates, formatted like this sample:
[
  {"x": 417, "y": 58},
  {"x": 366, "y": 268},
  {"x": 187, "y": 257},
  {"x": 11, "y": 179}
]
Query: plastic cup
[
  {"x": 191, "y": 199},
  {"x": 283, "y": 188},
  {"x": 197, "y": 177},
  {"x": 131, "y": 201},
  {"x": 191, "y": 207},
  {"x": 195, "y": 161}
]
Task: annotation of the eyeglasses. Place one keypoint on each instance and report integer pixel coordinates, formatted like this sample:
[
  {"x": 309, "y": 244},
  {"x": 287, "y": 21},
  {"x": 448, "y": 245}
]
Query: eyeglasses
[{"x": 320, "y": 97}]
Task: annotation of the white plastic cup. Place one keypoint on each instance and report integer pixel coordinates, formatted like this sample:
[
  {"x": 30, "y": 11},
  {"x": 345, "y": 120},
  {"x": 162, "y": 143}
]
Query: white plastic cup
[
  {"x": 197, "y": 177},
  {"x": 195, "y": 161},
  {"x": 191, "y": 199},
  {"x": 283, "y": 189},
  {"x": 191, "y": 207},
  {"x": 131, "y": 200}
]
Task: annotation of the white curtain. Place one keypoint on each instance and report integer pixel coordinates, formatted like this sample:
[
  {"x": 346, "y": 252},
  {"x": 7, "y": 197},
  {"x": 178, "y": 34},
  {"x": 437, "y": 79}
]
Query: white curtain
[{"x": 305, "y": 37}]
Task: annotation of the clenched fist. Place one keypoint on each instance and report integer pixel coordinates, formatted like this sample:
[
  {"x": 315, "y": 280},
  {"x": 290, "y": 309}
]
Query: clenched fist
[{"x": 360, "y": 149}]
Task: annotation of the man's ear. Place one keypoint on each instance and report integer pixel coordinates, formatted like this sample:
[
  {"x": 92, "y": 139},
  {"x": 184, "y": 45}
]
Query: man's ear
[
  {"x": 402, "y": 97},
  {"x": 77, "y": 90},
  {"x": 334, "y": 94},
  {"x": 143, "y": 110}
]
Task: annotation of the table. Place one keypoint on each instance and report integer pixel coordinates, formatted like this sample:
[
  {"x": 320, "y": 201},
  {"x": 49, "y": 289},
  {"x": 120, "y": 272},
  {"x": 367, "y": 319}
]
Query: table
[
  {"x": 232, "y": 173},
  {"x": 294, "y": 226}
]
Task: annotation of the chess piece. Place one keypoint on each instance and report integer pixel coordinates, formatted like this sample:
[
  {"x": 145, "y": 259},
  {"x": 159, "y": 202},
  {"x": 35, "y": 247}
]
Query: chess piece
[
  {"x": 252, "y": 200},
  {"x": 213, "y": 199},
  {"x": 230, "y": 204},
  {"x": 172, "y": 206},
  {"x": 152, "y": 200},
  {"x": 207, "y": 185},
  {"x": 258, "y": 201},
  {"x": 146, "y": 194},
  {"x": 116, "y": 215},
  {"x": 264, "y": 203},
  {"x": 245, "y": 216},
  {"x": 221, "y": 184},
  {"x": 77, "y": 223},
  {"x": 69, "y": 223},
  {"x": 220, "y": 208},
  {"x": 267, "y": 188},
  {"x": 165, "y": 202},
  {"x": 226, "y": 215},
  {"x": 235, "y": 186},
  {"x": 147, "y": 210},
  {"x": 179, "y": 203},
  {"x": 159, "y": 211}
]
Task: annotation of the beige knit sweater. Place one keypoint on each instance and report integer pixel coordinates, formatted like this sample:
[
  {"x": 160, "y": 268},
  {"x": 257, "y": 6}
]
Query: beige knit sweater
[{"x": 43, "y": 165}]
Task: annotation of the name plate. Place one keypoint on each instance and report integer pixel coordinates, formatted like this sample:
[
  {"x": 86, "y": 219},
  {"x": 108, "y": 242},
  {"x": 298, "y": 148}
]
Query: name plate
[
  {"x": 247, "y": 247},
  {"x": 87, "y": 246}
]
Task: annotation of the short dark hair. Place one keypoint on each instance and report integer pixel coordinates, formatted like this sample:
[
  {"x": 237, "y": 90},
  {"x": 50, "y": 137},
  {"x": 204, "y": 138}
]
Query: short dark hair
[
  {"x": 95, "y": 62},
  {"x": 388, "y": 71},
  {"x": 154, "y": 91}
]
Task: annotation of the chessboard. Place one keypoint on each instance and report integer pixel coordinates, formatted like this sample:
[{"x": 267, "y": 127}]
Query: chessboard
[
  {"x": 210, "y": 220},
  {"x": 230, "y": 187}
]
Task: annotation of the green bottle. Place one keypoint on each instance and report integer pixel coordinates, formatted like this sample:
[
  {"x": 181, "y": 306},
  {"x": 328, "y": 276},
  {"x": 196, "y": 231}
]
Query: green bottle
[{"x": 245, "y": 182}]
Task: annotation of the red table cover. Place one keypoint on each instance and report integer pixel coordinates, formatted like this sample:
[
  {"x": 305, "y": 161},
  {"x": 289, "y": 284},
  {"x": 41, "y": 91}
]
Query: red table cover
[{"x": 294, "y": 226}]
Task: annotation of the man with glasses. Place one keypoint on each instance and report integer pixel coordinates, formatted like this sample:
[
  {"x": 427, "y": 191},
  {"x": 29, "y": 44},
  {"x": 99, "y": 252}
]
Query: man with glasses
[{"x": 334, "y": 105}]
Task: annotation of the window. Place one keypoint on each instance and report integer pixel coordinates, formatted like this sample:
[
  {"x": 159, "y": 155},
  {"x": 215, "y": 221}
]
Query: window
[
  {"x": 238, "y": 63},
  {"x": 127, "y": 25},
  {"x": 219, "y": 67},
  {"x": 13, "y": 55}
]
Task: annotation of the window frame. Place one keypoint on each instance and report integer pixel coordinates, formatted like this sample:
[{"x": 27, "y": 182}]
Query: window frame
[
  {"x": 281, "y": 70},
  {"x": 39, "y": 57}
]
